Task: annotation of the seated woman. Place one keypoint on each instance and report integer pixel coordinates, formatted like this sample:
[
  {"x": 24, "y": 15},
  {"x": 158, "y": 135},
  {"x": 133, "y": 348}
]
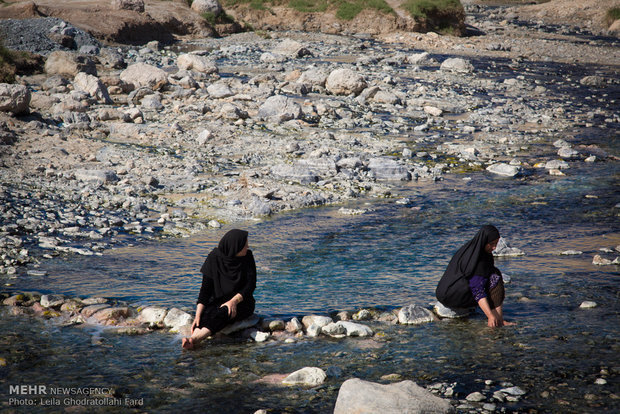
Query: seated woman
[
  {"x": 228, "y": 282},
  {"x": 472, "y": 278}
]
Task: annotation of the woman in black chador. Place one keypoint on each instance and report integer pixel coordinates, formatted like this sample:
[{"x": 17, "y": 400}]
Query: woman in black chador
[
  {"x": 228, "y": 282},
  {"x": 472, "y": 278}
]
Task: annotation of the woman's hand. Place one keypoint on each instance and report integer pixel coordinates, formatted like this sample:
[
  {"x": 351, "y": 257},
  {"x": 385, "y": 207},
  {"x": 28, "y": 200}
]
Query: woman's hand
[
  {"x": 232, "y": 308},
  {"x": 493, "y": 321},
  {"x": 195, "y": 323}
]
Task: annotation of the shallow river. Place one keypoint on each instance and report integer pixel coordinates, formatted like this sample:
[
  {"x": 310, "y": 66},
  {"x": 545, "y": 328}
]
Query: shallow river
[{"x": 317, "y": 261}]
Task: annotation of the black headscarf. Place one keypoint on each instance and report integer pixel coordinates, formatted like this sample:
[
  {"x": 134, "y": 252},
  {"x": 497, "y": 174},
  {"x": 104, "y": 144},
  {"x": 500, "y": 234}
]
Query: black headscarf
[
  {"x": 229, "y": 273},
  {"x": 471, "y": 259}
]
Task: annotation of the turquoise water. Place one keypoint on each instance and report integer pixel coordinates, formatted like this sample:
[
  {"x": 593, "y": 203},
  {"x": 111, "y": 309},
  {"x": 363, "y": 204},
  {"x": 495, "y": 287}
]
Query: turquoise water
[{"x": 318, "y": 261}]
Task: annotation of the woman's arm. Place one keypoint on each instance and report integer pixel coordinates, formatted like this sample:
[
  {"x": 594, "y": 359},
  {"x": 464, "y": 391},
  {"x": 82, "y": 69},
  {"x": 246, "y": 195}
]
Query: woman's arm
[
  {"x": 494, "y": 319},
  {"x": 199, "y": 308},
  {"x": 232, "y": 305}
]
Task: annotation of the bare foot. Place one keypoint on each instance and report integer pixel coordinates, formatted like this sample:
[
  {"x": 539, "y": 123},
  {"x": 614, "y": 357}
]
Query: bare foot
[
  {"x": 187, "y": 343},
  {"x": 506, "y": 323}
]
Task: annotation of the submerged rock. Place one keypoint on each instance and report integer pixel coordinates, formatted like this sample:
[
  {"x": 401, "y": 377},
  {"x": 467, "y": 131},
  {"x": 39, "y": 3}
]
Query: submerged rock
[
  {"x": 414, "y": 314},
  {"x": 359, "y": 396}
]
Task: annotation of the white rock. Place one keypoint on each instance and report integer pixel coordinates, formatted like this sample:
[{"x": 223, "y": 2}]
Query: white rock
[
  {"x": 503, "y": 249},
  {"x": 279, "y": 108},
  {"x": 384, "y": 168},
  {"x": 204, "y": 136},
  {"x": 475, "y": 397},
  {"x": 313, "y": 77},
  {"x": 219, "y": 90},
  {"x": 153, "y": 315},
  {"x": 142, "y": 74},
  {"x": 294, "y": 326},
  {"x": 568, "y": 153},
  {"x": 49, "y": 301},
  {"x": 556, "y": 165},
  {"x": 177, "y": 319},
  {"x": 214, "y": 224},
  {"x": 207, "y": 6},
  {"x": 514, "y": 391},
  {"x": 345, "y": 82},
  {"x": 457, "y": 65},
  {"x": 451, "y": 313},
  {"x": 14, "y": 98},
  {"x": 292, "y": 48},
  {"x": 357, "y": 396},
  {"x": 600, "y": 261},
  {"x": 311, "y": 376},
  {"x": 503, "y": 169},
  {"x": 419, "y": 58},
  {"x": 334, "y": 329},
  {"x": 414, "y": 314},
  {"x": 318, "y": 320},
  {"x": 313, "y": 330},
  {"x": 600, "y": 381},
  {"x": 259, "y": 336},
  {"x": 98, "y": 176},
  {"x": 433, "y": 110},
  {"x": 191, "y": 61},
  {"x": 355, "y": 329},
  {"x": 588, "y": 304}
]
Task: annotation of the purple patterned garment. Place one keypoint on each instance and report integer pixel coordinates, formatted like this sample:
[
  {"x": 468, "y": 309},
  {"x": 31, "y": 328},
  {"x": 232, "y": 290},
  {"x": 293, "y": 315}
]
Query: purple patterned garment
[{"x": 478, "y": 288}]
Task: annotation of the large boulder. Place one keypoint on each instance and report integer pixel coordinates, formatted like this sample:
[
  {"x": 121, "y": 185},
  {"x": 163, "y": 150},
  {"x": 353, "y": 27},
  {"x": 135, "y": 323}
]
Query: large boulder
[
  {"x": 313, "y": 77},
  {"x": 298, "y": 174},
  {"x": 345, "y": 82},
  {"x": 153, "y": 315},
  {"x": 14, "y": 98},
  {"x": 207, "y": 6},
  {"x": 362, "y": 397},
  {"x": 191, "y": 61},
  {"x": 290, "y": 47},
  {"x": 279, "y": 109},
  {"x": 93, "y": 86},
  {"x": 176, "y": 319},
  {"x": 144, "y": 75},
  {"x": 70, "y": 64}
]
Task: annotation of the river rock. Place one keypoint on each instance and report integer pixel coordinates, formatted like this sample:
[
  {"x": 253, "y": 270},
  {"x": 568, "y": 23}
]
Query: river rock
[
  {"x": 313, "y": 77},
  {"x": 279, "y": 109},
  {"x": 144, "y": 75},
  {"x": 219, "y": 90},
  {"x": 457, "y": 65},
  {"x": 207, "y": 6},
  {"x": 314, "y": 330},
  {"x": 450, "y": 313},
  {"x": 112, "y": 315},
  {"x": 292, "y": 48},
  {"x": 67, "y": 63},
  {"x": 294, "y": 326},
  {"x": 318, "y": 320},
  {"x": 588, "y": 304},
  {"x": 96, "y": 176},
  {"x": 14, "y": 98},
  {"x": 134, "y": 5},
  {"x": 556, "y": 165},
  {"x": 414, "y": 314},
  {"x": 568, "y": 153},
  {"x": 153, "y": 315},
  {"x": 94, "y": 301},
  {"x": 93, "y": 86},
  {"x": 72, "y": 306},
  {"x": 503, "y": 249},
  {"x": 503, "y": 169},
  {"x": 259, "y": 336},
  {"x": 50, "y": 301},
  {"x": 176, "y": 319},
  {"x": 345, "y": 82},
  {"x": 241, "y": 325},
  {"x": 90, "y": 310},
  {"x": 334, "y": 330},
  {"x": 357, "y": 396},
  {"x": 384, "y": 168},
  {"x": 310, "y": 376},
  {"x": 14, "y": 300},
  {"x": 598, "y": 260},
  {"x": 355, "y": 329},
  {"x": 475, "y": 397},
  {"x": 191, "y": 61},
  {"x": 287, "y": 172}
]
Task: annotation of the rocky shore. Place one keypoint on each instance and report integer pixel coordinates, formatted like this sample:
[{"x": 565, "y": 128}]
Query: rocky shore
[{"x": 140, "y": 142}]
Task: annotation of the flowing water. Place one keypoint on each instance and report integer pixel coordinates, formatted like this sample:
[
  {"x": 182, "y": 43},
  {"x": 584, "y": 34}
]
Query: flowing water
[{"x": 319, "y": 261}]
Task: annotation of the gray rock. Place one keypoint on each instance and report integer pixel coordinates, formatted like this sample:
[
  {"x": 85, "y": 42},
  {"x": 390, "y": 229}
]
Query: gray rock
[
  {"x": 302, "y": 175},
  {"x": 355, "y": 329},
  {"x": 450, "y": 313},
  {"x": 219, "y": 90},
  {"x": 503, "y": 169},
  {"x": 134, "y": 5},
  {"x": 50, "y": 301},
  {"x": 153, "y": 315},
  {"x": 207, "y": 6},
  {"x": 556, "y": 165},
  {"x": 457, "y": 65},
  {"x": 97, "y": 176},
  {"x": 176, "y": 319},
  {"x": 313, "y": 77},
  {"x": 568, "y": 153},
  {"x": 144, "y": 75},
  {"x": 317, "y": 320},
  {"x": 334, "y": 329},
  {"x": 345, "y": 82},
  {"x": 279, "y": 109},
  {"x": 67, "y": 63},
  {"x": 152, "y": 102},
  {"x": 420, "y": 58},
  {"x": 384, "y": 168},
  {"x": 93, "y": 86},
  {"x": 314, "y": 330},
  {"x": 191, "y": 61},
  {"x": 292, "y": 48},
  {"x": 357, "y": 396},
  {"x": 14, "y": 98},
  {"x": 309, "y": 376},
  {"x": 475, "y": 397},
  {"x": 414, "y": 314},
  {"x": 503, "y": 249}
]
